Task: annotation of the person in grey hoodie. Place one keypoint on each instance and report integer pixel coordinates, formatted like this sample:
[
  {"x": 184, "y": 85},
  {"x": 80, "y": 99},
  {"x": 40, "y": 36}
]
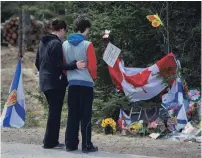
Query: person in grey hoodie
[{"x": 81, "y": 82}]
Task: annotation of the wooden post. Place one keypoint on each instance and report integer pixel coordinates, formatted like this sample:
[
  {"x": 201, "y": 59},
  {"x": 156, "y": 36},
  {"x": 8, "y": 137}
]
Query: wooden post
[
  {"x": 27, "y": 30},
  {"x": 168, "y": 43},
  {"x": 20, "y": 37}
]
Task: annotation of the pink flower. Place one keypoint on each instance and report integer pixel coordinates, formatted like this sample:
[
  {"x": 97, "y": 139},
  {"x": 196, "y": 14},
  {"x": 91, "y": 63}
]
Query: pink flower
[
  {"x": 197, "y": 93},
  {"x": 153, "y": 124},
  {"x": 190, "y": 95}
]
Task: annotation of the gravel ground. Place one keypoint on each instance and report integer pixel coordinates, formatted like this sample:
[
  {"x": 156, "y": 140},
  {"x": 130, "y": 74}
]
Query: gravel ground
[{"x": 113, "y": 143}]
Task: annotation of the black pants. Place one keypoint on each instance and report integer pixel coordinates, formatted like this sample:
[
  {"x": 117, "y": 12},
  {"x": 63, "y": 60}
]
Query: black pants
[
  {"x": 80, "y": 99},
  {"x": 55, "y": 98}
]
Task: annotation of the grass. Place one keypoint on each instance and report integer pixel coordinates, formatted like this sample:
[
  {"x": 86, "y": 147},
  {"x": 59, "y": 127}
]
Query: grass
[
  {"x": 42, "y": 99},
  {"x": 32, "y": 119}
]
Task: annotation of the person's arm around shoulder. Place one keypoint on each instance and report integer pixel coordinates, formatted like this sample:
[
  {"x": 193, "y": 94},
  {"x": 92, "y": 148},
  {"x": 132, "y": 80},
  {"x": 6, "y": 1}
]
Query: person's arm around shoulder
[
  {"x": 79, "y": 64},
  {"x": 56, "y": 55}
]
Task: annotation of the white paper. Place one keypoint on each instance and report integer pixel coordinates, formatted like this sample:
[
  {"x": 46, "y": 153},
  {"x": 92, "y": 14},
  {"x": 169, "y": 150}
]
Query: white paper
[
  {"x": 111, "y": 54},
  {"x": 154, "y": 135}
]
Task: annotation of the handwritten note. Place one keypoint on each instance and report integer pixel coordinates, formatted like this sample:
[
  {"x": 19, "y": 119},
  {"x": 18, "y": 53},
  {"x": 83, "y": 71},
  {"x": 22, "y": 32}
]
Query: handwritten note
[{"x": 111, "y": 54}]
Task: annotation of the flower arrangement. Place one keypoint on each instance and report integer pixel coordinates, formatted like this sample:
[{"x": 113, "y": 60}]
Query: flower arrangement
[
  {"x": 153, "y": 124},
  {"x": 156, "y": 126},
  {"x": 136, "y": 126},
  {"x": 194, "y": 95},
  {"x": 139, "y": 127},
  {"x": 109, "y": 125}
]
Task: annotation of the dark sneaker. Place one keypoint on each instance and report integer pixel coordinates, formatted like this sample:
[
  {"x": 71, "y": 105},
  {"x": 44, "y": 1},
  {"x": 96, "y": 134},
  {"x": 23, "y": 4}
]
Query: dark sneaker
[
  {"x": 90, "y": 148},
  {"x": 59, "y": 146},
  {"x": 71, "y": 149}
]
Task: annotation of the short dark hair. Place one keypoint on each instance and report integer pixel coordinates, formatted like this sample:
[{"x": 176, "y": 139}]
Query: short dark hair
[
  {"x": 58, "y": 24},
  {"x": 81, "y": 23}
]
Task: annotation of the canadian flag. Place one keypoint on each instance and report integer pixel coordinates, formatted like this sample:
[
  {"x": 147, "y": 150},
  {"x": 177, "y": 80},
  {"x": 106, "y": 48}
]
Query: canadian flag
[{"x": 142, "y": 83}]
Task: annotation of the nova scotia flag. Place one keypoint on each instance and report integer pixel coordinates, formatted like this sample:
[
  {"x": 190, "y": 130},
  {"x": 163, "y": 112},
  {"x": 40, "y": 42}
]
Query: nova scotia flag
[
  {"x": 13, "y": 114},
  {"x": 124, "y": 119},
  {"x": 175, "y": 99}
]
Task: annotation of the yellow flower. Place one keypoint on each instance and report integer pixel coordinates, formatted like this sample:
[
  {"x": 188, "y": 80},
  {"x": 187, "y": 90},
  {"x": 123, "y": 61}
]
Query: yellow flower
[
  {"x": 136, "y": 126},
  {"x": 103, "y": 123},
  {"x": 110, "y": 122}
]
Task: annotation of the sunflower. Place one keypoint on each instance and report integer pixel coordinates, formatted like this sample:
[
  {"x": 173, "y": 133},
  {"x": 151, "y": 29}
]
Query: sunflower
[{"x": 109, "y": 122}]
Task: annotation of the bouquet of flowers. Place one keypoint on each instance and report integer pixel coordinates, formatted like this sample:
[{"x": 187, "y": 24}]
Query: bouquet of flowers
[
  {"x": 109, "y": 125},
  {"x": 194, "y": 95},
  {"x": 139, "y": 127},
  {"x": 156, "y": 127},
  {"x": 136, "y": 127}
]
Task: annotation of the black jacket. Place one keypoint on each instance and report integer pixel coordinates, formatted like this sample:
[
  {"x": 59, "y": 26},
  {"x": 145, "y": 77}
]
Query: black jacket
[{"x": 49, "y": 62}]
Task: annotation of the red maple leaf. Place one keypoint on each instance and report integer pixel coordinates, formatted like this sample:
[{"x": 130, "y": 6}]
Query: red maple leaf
[{"x": 138, "y": 80}]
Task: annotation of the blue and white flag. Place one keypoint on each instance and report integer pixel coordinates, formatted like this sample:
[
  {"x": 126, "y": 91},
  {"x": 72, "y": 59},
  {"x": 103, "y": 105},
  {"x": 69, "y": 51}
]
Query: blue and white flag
[
  {"x": 13, "y": 114},
  {"x": 175, "y": 99},
  {"x": 124, "y": 119}
]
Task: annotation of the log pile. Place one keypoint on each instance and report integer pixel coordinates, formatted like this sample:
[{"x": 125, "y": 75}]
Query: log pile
[
  {"x": 10, "y": 30},
  {"x": 33, "y": 31}
]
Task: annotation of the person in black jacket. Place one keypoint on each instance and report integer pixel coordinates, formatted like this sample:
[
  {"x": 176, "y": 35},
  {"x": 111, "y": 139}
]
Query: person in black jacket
[{"x": 52, "y": 79}]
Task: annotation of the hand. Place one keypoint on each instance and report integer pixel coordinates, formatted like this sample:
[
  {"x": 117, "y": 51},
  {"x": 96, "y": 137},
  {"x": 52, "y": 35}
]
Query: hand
[{"x": 80, "y": 64}]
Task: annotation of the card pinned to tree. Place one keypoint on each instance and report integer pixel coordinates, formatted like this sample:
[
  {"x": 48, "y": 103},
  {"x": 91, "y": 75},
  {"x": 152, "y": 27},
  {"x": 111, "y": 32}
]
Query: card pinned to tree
[{"x": 111, "y": 54}]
